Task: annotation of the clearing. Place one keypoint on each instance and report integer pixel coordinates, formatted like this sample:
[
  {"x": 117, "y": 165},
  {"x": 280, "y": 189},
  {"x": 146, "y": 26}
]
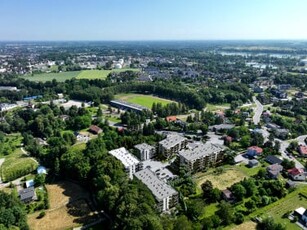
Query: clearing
[
  {"x": 216, "y": 107},
  {"x": 221, "y": 181},
  {"x": 250, "y": 225},
  {"x": 142, "y": 99},
  {"x": 69, "y": 208},
  {"x": 84, "y": 74}
]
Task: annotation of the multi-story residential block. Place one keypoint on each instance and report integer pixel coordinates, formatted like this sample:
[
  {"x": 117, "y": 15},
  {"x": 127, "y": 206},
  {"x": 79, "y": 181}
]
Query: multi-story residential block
[
  {"x": 165, "y": 195},
  {"x": 130, "y": 162},
  {"x": 145, "y": 151},
  {"x": 201, "y": 156},
  {"x": 172, "y": 145}
]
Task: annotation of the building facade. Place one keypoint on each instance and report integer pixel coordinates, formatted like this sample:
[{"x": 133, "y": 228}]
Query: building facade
[
  {"x": 172, "y": 145},
  {"x": 145, "y": 151}
]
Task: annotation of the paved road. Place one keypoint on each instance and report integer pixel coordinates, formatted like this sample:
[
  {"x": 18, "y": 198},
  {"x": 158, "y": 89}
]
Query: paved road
[{"x": 258, "y": 111}]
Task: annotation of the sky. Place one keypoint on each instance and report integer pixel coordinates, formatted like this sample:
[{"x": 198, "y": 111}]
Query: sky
[{"x": 152, "y": 19}]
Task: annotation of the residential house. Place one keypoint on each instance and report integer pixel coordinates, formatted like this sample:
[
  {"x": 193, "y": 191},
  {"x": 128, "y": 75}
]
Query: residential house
[
  {"x": 254, "y": 151},
  {"x": 95, "y": 129},
  {"x": 130, "y": 162},
  {"x": 201, "y": 156},
  {"x": 171, "y": 118},
  {"x": 302, "y": 149},
  {"x": 274, "y": 170},
  {"x": 27, "y": 195},
  {"x": 145, "y": 151},
  {"x": 228, "y": 195},
  {"x": 221, "y": 127},
  {"x": 281, "y": 133},
  {"x": 172, "y": 145},
  {"x": 165, "y": 195},
  {"x": 253, "y": 163},
  {"x": 273, "y": 159},
  {"x": 297, "y": 174}
]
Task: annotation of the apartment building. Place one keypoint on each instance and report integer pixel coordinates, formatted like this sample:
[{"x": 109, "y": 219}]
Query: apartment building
[
  {"x": 145, "y": 151},
  {"x": 172, "y": 145}
]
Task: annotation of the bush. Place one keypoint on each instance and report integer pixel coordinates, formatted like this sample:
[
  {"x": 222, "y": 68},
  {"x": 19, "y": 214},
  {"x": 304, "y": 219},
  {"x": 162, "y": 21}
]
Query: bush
[{"x": 41, "y": 214}]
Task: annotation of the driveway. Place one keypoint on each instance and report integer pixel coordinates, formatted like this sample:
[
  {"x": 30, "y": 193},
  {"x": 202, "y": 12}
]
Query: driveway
[{"x": 258, "y": 111}]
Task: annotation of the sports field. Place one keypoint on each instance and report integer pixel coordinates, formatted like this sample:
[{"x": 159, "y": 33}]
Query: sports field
[
  {"x": 84, "y": 74},
  {"x": 141, "y": 99}
]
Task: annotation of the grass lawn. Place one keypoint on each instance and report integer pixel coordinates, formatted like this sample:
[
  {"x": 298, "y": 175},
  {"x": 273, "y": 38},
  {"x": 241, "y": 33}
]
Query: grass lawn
[
  {"x": 249, "y": 171},
  {"x": 221, "y": 181},
  {"x": 209, "y": 210},
  {"x": 17, "y": 165},
  {"x": 68, "y": 208},
  {"x": 84, "y": 74},
  {"x": 10, "y": 143},
  {"x": 291, "y": 202},
  {"x": 60, "y": 77},
  {"x": 78, "y": 146},
  {"x": 212, "y": 107},
  {"x": 141, "y": 99}
]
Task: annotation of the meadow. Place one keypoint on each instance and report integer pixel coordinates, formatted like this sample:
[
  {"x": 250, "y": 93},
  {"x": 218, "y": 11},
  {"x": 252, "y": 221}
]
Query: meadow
[
  {"x": 84, "y": 74},
  {"x": 141, "y": 99}
]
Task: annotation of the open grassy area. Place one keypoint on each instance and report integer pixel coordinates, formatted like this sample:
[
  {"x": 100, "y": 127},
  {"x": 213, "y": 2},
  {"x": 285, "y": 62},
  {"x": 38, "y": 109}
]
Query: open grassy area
[
  {"x": 291, "y": 202},
  {"x": 69, "y": 208},
  {"x": 250, "y": 225},
  {"x": 209, "y": 210},
  {"x": 84, "y": 74},
  {"x": 212, "y": 107},
  {"x": 9, "y": 144},
  {"x": 249, "y": 171},
  {"x": 221, "y": 181},
  {"x": 17, "y": 165},
  {"x": 141, "y": 99}
]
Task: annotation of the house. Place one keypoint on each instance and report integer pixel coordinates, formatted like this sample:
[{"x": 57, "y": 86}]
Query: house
[
  {"x": 253, "y": 163},
  {"x": 221, "y": 127},
  {"x": 304, "y": 217},
  {"x": 172, "y": 145},
  {"x": 145, "y": 151},
  {"x": 302, "y": 149},
  {"x": 227, "y": 140},
  {"x": 274, "y": 170},
  {"x": 273, "y": 159},
  {"x": 254, "y": 151},
  {"x": 281, "y": 133},
  {"x": 130, "y": 162},
  {"x": 165, "y": 195},
  {"x": 95, "y": 129},
  {"x": 290, "y": 184},
  {"x": 27, "y": 195},
  {"x": 297, "y": 174},
  {"x": 171, "y": 118},
  {"x": 29, "y": 183},
  {"x": 201, "y": 156},
  {"x": 228, "y": 195},
  {"x": 41, "y": 170}
]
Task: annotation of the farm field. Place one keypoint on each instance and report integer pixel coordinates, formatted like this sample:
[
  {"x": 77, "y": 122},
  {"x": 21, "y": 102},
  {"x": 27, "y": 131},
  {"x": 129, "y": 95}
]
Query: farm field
[
  {"x": 291, "y": 202},
  {"x": 141, "y": 99},
  {"x": 84, "y": 74},
  {"x": 68, "y": 208},
  {"x": 16, "y": 165},
  {"x": 221, "y": 181}
]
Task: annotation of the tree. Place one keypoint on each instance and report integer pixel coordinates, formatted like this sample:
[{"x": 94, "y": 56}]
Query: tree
[
  {"x": 226, "y": 213},
  {"x": 39, "y": 180},
  {"x": 194, "y": 209},
  {"x": 182, "y": 223},
  {"x": 288, "y": 164},
  {"x": 207, "y": 187},
  {"x": 238, "y": 191},
  {"x": 269, "y": 224}
]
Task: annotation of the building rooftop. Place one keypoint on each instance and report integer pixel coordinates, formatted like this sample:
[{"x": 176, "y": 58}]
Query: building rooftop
[
  {"x": 158, "y": 188},
  {"x": 143, "y": 146},
  {"x": 26, "y": 193},
  {"x": 201, "y": 150},
  {"x": 129, "y": 105},
  {"x": 171, "y": 141},
  {"x": 124, "y": 156}
]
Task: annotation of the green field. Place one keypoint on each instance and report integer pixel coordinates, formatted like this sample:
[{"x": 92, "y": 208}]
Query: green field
[
  {"x": 141, "y": 99},
  {"x": 85, "y": 74},
  {"x": 17, "y": 165}
]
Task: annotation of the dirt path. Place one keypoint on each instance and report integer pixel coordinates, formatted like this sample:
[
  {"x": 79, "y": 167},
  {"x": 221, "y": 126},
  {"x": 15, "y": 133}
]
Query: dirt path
[{"x": 1, "y": 162}]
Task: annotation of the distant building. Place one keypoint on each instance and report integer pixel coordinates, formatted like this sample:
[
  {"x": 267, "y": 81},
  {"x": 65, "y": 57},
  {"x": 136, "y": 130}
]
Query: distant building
[
  {"x": 171, "y": 118},
  {"x": 27, "y": 195},
  {"x": 95, "y": 129},
  {"x": 145, "y": 151},
  {"x": 221, "y": 127},
  {"x": 130, "y": 162},
  {"x": 201, "y": 156},
  {"x": 9, "y": 88},
  {"x": 253, "y": 163},
  {"x": 297, "y": 174},
  {"x": 254, "y": 151},
  {"x": 165, "y": 195},
  {"x": 274, "y": 170},
  {"x": 228, "y": 195},
  {"x": 29, "y": 183},
  {"x": 127, "y": 106},
  {"x": 281, "y": 133},
  {"x": 172, "y": 145}
]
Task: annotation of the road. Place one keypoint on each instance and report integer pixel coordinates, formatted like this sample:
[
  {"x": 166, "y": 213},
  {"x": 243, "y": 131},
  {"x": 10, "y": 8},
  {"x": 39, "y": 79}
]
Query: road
[{"x": 258, "y": 111}]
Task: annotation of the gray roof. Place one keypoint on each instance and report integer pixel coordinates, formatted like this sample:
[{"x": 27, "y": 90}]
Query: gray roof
[
  {"x": 171, "y": 141},
  {"x": 124, "y": 156},
  {"x": 200, "y": 151},
  {"x": 158, "y": 188},
  {"x": 26, "y": 193},
  {"x": 129, "y": 105},
  {"x": 143, "y": 147},
  {"x": 222, "y": 126}
]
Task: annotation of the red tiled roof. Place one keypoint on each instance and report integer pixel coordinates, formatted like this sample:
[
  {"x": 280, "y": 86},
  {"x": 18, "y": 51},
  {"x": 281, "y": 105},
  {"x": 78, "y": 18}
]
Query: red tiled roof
[
  {"x": 171, "y": 118},
  {"x": 295, "y": 171},
  {"x": 256, "y": 148},
  {"x": 95, "y": 129}
]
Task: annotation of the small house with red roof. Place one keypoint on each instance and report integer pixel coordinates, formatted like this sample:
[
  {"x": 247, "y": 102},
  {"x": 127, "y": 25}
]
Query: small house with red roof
[
  {"x": 95, "y": 129},
  {"x": 302, "y": 149},
  {"x": 254, "y": 151},
  {"x": 171, "y": 118},
  {"x": 297, "y": 174}
]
